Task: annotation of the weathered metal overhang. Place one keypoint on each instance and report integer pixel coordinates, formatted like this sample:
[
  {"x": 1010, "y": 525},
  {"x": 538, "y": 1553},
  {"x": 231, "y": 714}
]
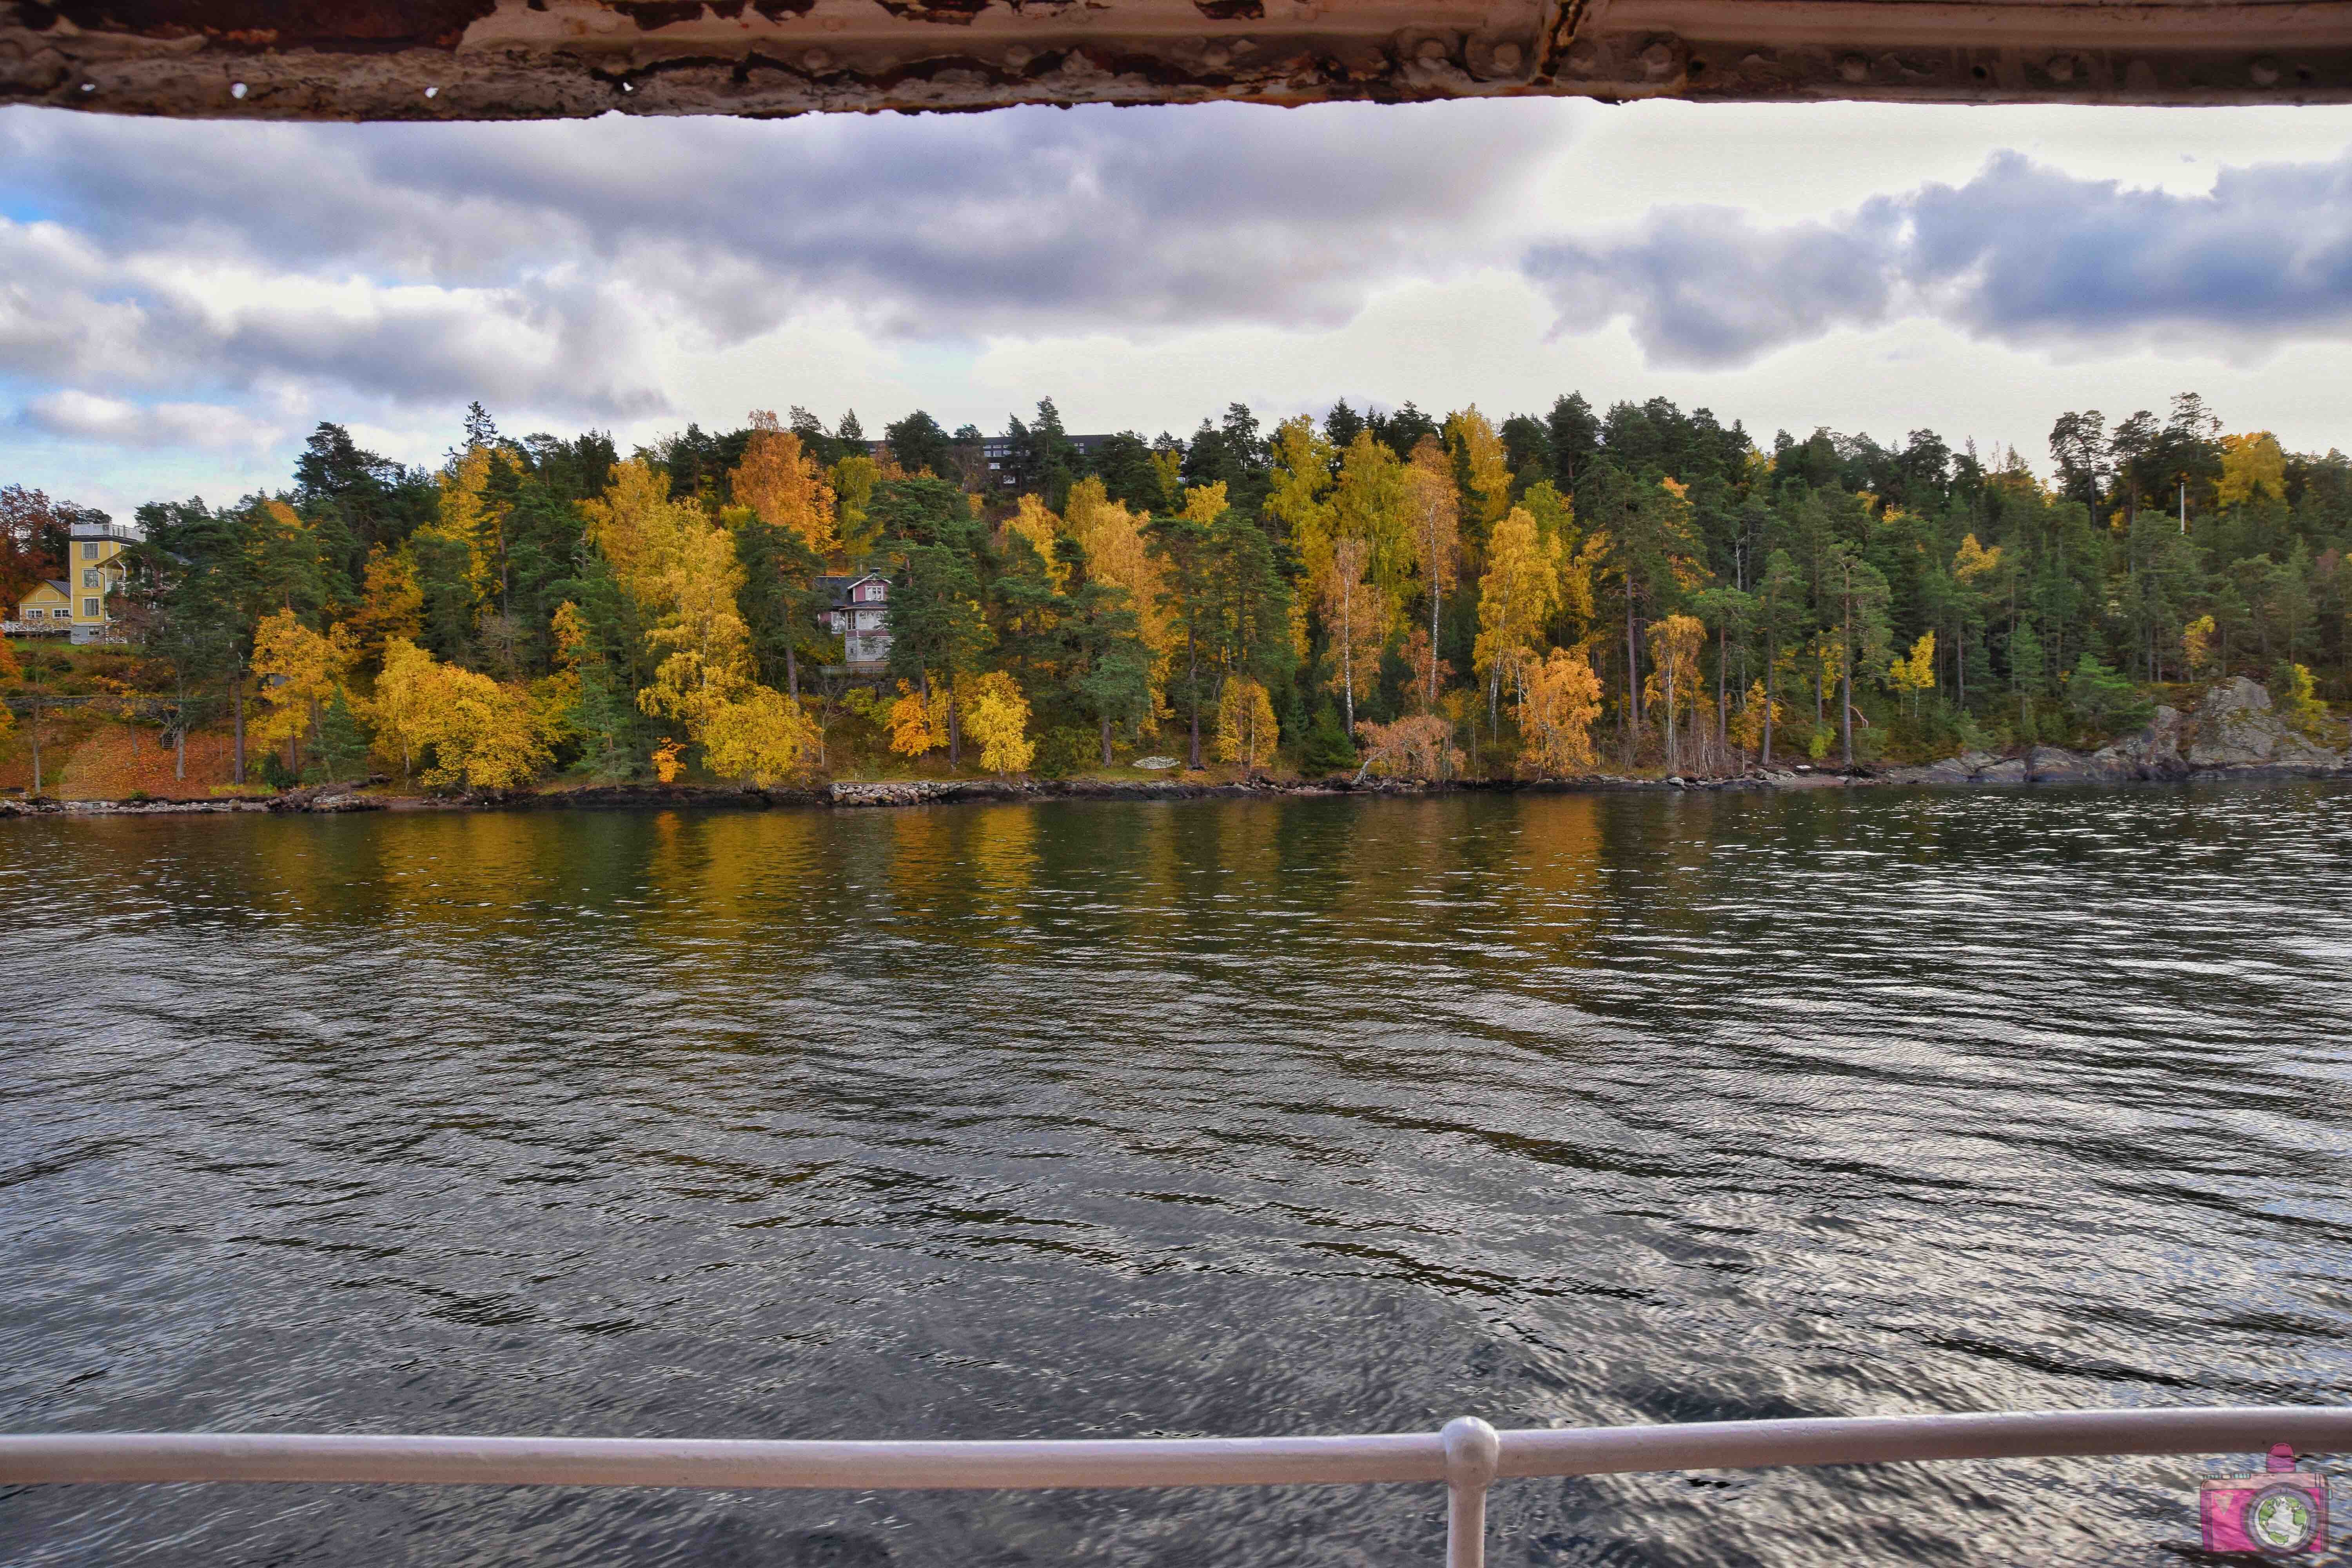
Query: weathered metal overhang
[{"x": 509, "y": 59}]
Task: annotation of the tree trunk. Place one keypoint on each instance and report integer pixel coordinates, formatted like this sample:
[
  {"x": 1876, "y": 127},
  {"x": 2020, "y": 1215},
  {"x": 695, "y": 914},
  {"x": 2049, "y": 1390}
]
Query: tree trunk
[
  {"x": 1105, "y": 740},
  {"x": 237, "y": 759},
  {"x": 1435, "y": 597},
  {"x": 1192, "y": 667},
  {"x": 37, "y": 742},
  {"x": 1348, "y": 657},
  {"x": 1633, "y": 657},
  {"x": 1771, "y": 663},
  {"x": 1673, "y": 763},
  {"x": 1722, "y": 703},
  {"x": 792, "y": 665},
  {"x": 955, "y": 729},
  {"x": 1845, "y": 675}
]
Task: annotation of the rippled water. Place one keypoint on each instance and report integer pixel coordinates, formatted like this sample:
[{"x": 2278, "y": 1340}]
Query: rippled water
[{"x": 1227, "y": 1118}]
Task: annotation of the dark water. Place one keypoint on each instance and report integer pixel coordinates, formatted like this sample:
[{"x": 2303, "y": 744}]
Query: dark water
[{"x": 1220, "y": 1118}]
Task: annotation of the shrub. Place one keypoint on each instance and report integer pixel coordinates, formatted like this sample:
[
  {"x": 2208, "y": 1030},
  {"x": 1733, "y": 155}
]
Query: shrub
[
  {"x": 1326, "y": 748},
  {"x": 2105, "y": 699},
  {"x": 1067, "y": 749},
  {"x": 2294, "y": 700}
]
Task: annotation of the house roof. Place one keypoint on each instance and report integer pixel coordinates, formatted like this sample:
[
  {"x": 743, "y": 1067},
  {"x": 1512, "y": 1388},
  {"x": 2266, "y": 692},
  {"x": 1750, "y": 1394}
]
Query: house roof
[{"x": 839, "y": 585}]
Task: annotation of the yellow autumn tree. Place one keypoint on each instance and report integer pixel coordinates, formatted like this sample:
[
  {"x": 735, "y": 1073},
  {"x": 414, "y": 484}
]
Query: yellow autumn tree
[
  {"x": 392, "y": 604},
  {"x": 761, "y": 735},
  {"x": 1916, "y": 673},
  {"x": 402, "y": 691},
  {"x": 1298, "y": 496},
  {"x": 300, "y": 671},
  {"x": 1355, "y": 618},
  {"x": 1168, "y": 468},
  {"x": 469, "y": 514},
  {"x": 705, "y": 648},
  {"x": 1973, "y": 560},
  {"x": 854, "y": 479},
  {"x": 783, "y": 485},
  {"x": 1432, "y": 517},
  {"x": 996, "y": 717},
  {"x": 1516, "y": 596},
  {"x": 1034, "y": 521},
  {"x": 475, "y": 732},
  {"x": 482, "y": 733},
  {"x": 2252, "y": 465},
  {"x": 1674, "y": 679},
  {"x": 1557, "y": 705},
  {"x": 1755, "y": 709},
  {"x": 1246, "y": 723},
  {"x": 918, "y": 723},
  {"x": 1368, "y": 503},
  {"x": 2197, "y": 646},
  {"x": 1471, "y": 441},
  {"x": 1825, "y": 659},
  {"x": 1118, "y": 557},
  {"x": 682, "y": 570}
]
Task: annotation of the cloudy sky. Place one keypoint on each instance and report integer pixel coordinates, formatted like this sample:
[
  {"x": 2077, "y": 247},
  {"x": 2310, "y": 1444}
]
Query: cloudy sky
[{"x": 181, "y": 302}]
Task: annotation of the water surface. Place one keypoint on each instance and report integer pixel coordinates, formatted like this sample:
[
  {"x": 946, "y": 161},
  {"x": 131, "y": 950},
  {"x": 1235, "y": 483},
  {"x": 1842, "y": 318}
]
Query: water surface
[{"x": 1212, "y": 1118}]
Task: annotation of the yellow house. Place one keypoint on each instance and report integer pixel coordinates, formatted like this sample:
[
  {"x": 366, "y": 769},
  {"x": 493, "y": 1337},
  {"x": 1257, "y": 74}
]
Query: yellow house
[{"x": 84, "y": 602}]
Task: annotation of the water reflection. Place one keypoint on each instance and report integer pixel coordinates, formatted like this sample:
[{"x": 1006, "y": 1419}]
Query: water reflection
[{"x": 1231, "y": 1117}]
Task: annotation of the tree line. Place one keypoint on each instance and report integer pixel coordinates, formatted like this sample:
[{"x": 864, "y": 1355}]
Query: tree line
[{"x": 1389, "y": 591}]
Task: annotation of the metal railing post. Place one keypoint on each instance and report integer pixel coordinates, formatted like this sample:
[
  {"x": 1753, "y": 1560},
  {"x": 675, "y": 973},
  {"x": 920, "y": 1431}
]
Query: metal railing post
[{"x": 1472, "y": 1452}]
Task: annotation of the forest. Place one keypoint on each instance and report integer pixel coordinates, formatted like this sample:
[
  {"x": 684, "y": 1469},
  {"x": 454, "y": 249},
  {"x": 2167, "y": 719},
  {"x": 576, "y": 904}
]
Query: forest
[{"x": 1640, "y": 589}]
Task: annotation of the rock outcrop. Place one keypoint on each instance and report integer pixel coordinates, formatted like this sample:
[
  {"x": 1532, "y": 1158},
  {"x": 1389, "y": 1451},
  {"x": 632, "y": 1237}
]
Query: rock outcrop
[
  {"x": 2233, "y": 730},
  {"x": 327, "y": 799},
  {"x": 896, "y": 792}
]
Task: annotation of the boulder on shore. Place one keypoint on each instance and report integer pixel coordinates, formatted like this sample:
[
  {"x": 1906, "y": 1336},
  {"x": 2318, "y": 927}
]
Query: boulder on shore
[
  {"x": 327, "y": 798},
  {"x": 892, "y": 792},
  {"x": 2235, "y": 728}
]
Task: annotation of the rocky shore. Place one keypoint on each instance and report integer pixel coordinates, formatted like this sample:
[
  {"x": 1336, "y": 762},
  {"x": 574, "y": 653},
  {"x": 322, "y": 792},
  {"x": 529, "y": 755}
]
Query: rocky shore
[{"x": 2233, "y": 732}]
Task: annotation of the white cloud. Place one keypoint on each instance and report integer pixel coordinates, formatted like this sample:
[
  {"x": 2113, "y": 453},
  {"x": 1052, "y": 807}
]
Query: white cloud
[
  {"x": 80, "y": 416},
  {"x": 172, "y": 295}
]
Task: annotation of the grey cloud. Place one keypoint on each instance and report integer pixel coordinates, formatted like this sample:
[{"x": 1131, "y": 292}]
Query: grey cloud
[
  {"x": 933, "y": 226},
  {"x": 71, "y": 316},
  {"x": 545, "y": 264},
  {"x": 2021, "y": 254},
  {"x": 1707, "y": 286}
]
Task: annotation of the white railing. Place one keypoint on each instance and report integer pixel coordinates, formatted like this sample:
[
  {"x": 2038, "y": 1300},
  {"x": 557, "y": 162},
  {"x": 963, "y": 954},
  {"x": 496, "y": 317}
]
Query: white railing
[{"x": 1468, "y": 1456}]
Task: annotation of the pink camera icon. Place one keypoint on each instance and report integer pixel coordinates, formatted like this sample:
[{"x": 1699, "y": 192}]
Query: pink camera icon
[{"x": 2281, "y": 1512}]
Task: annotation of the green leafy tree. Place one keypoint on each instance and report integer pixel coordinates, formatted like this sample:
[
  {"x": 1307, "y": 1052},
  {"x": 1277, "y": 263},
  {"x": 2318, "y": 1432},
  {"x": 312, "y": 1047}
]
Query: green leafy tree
[
  {"x": 1185, "y": 550},
  {"x": 341, "y": 748},
  {"x": 936, "y": 628},
  {"x": 2103, "y": 699}
]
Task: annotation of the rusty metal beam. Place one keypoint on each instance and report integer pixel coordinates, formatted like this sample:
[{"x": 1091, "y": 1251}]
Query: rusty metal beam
[{"x": 530, "y": 59}]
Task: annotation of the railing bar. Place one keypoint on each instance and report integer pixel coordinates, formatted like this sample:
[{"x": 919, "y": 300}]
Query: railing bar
[
  {"x": 1153, "y": 1462},
  {"x": 1851, "y": 1440},
  {"x": 727, "y": 1463}
]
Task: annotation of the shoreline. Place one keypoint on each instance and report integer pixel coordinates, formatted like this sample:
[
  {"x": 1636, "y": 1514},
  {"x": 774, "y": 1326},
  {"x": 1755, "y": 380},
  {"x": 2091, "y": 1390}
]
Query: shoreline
[{"x": 2062, "y": 769}]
